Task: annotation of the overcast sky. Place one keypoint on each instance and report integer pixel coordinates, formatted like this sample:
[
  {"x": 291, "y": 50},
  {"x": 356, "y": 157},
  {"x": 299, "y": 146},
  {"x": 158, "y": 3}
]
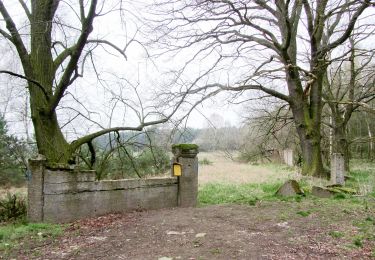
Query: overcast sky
[
  {"x": 114, "y": 80},
  {"x": 112, "y": 73}
]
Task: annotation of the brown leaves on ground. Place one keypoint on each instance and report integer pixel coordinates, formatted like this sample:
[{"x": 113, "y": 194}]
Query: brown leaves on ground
[{"x": 270, "y": 230}]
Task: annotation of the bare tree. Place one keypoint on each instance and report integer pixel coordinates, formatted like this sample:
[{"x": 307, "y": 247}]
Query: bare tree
[
  {"x": 53, "y": 54},
  {"x": 270, "y": 130},
  {"x": 360, "y": 134},
  {"x": 277, "y": 47},
  {"x": 350, "y": 87}
]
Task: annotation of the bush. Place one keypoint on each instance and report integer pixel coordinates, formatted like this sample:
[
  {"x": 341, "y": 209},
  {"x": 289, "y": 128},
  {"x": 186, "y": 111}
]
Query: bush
[
  {"x": 12, "y": 158},
  {"x": 130, "y": 164},
  {"x": 12, "y": 207},
  {"x": 153, "y": 162}
]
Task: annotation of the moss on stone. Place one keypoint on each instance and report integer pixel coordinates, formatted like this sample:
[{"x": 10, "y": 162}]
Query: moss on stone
[
  {"x": 342, "y": 190},
  {"x": 60, "y": 166},
  {"x": 185, "y": 147}
]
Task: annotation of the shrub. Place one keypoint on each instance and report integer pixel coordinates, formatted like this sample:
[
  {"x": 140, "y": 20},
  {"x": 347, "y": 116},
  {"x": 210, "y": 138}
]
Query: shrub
[
  {"x": 130, "y": 164},
  {"x": 12, "y": 207},
  {"x": 12, "y": 158}
]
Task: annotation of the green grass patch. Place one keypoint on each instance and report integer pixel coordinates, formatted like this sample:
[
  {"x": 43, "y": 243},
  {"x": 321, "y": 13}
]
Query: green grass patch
[
  {"x": 340, "y": 196},
  {"x": 370, "y": 219},
  {"x": 226, "y": 193},
  {"x": 336, "y": 234},
  {"x": 12, "y": 234},
  {"x": 364, "y": 225},
  {"x": 304, "y": 213},
  {"x": 362, "y": 177},
  {"x": 357, "y": 241},
  {"x": 218, "y": 193},
  {"x": 366, "y": 228},
  {"x": 269, "y": 188}
]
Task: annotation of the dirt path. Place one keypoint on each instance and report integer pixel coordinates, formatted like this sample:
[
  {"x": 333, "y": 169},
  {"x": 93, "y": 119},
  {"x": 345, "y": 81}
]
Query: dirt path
[{"x": 269, "y": 230}]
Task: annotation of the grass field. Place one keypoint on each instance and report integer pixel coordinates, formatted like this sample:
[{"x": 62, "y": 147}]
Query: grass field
[
  {"x": 218, "y": 173},
  {"x": 224, "y": 170}
]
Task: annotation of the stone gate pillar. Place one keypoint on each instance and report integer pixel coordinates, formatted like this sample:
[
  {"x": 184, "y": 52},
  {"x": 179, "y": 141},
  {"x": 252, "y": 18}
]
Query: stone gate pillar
[
  {"x": 35, "y": 196},
  {"x": 186, "y": 155}
]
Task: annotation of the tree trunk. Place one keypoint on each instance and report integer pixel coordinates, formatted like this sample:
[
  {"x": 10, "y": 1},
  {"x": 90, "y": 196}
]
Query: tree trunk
[
  {"x": 341, "y": 144},
  {"x": 307, "y": 119},
  {"x": 310, "y": 141},
  {"x": 312, "y": 164},
  {"x": 312, "y": 158},
  {"x": 50, "y": 140}
]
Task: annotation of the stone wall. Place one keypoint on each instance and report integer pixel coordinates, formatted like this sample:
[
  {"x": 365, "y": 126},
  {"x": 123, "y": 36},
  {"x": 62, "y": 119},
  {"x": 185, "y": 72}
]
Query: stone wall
[{"x": 64, "y": 195}]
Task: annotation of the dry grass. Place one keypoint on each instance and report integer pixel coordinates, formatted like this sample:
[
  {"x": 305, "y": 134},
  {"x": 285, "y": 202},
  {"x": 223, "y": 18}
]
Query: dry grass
[
  {"x": 225, "y": 170},
  {"x": 12, "y": 190}
]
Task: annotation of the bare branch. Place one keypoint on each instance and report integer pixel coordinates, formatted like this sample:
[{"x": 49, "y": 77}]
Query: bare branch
[
  {"x": 28, "y": 79},
  {"x": 15, "y": 37},
  {"x": 65, "y": 81},
  {"x": 62, "y": 56},
  {"x": 121, "y": 51},
  {"x": 363, "y": 105},
  {"x": 349, "y": 28},
  {"x": 6, "y": 35},
  {"x": 26, "y": 9}
]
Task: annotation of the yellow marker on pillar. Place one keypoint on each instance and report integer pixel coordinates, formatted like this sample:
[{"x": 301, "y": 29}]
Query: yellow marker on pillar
[{"x": 177, "y": 169}]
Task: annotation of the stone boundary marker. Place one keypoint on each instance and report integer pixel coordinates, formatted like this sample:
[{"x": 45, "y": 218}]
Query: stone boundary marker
[
  {"x": 63, "y": 194},
  {"x": 337, "y": 169},
  {"x": 288, "y": 157}
]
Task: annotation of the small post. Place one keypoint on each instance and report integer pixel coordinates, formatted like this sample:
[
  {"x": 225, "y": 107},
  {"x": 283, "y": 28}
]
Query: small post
[
  {"x": 337, "y": 169},
  {"x": 35, "y": 199},
  {"x": 186, "y": 156},
  {"x": 288, "y": 157}
]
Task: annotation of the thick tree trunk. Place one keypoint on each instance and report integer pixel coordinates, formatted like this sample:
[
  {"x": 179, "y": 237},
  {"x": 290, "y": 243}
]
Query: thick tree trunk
[
  {"x": 310, "y": 140},
  {"x": 307, "y": 119},
  {"x": 312, "y": 158},
  {"x": 50, "y": 140}
]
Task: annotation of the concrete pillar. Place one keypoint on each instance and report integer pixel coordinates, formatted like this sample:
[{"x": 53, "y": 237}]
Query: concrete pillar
[
  {"x": 186, "y": 155},
  {"x": 35, "y": 196},
  {"x": 288, "y": 157},
  {"x": 337, "y": 169}
]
